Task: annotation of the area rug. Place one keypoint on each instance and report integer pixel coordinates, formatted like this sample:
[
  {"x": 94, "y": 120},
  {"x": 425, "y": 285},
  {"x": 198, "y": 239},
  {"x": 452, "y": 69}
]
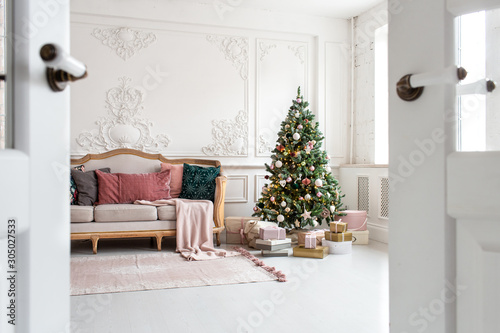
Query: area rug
[{"x": 134, "y": 272}]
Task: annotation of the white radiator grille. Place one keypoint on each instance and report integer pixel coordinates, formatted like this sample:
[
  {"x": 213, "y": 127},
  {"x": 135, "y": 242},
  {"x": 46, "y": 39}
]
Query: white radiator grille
[
  {"x": 364, "y": 193},
  {"x": 384, "y": 197}
]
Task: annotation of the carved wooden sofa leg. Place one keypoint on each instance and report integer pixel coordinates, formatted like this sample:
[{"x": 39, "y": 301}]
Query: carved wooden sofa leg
[
  {"x": 94, "y": 239},
  {"x": 158, "y": 241},
  {"x": 217, "y": 236}
]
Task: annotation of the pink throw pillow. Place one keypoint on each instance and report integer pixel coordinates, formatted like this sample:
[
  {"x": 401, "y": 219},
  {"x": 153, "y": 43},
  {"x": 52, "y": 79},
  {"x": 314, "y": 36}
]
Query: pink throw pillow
[
  {"x": 176, "y": 171},
  {"x": 116, "y": 188}
]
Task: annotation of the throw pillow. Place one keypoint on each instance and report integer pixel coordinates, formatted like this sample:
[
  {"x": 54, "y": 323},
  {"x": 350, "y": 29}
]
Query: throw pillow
[
  {"x": 73, "y": 192},
  {"x": 198, "y": 183},
  {"x": 117, "y": 188},
  {"x": 86, "y": 185},
  {"x": 176, "y": 171}
]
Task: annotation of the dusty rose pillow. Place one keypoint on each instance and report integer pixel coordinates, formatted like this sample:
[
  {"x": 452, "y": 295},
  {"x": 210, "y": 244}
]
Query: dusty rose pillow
[
  {"x": 176, "y": 171},
  {"x": 116, "y": 188}
]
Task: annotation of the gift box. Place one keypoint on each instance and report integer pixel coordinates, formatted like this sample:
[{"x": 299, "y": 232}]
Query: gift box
[
  {"x": 355, "y": 219},
  {"x": 277, "y": 253},
  {"x": 360, "y": 237},
  {"x": 272, "y": 244},
  {"x": 251, "y": 230},
  {"x": 320, "y": 234},
  {"x": 310, "y": 241},
  {"x": 338, "y": 247},
  {"x": 338, "y": 237},
  {"x": 272, "y": 232},
  {"x": 338, "y": 227},
  {"x": 235, "y": 227},
  {"x": 319, "y": 252}
]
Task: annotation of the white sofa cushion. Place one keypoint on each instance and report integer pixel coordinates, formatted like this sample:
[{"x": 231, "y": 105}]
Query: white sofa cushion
[
  {"x": 122, "y": 226},
  {"x": 125, "y": 213},
  {"x": 166, "y": 213},
  {"x": 82, "y": 213}
]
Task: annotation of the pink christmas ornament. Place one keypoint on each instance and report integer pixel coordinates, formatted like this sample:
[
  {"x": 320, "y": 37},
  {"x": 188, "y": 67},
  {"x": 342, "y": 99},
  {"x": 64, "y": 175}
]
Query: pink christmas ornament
[
  {"x": 299, "y": 100},
  {"x": 319, "y": 195},
  {"x": 300, "y": 127},
  {"x": 306, "y": 181},
  {"x": 301, "y": 198},
  {"x": 256, "y": 209},
  {"x": 272, "y": 167},
  {"x": 311, "y": 168},
  {"x": 289, "y": 179},
  {"x": 272, "y": 199}
]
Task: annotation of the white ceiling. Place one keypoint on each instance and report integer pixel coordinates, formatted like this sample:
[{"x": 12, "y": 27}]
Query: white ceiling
[{"x": 329, "y": 8}]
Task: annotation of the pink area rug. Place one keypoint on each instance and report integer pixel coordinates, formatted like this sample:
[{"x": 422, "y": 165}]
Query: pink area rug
[{"x": 133, "y": 272}]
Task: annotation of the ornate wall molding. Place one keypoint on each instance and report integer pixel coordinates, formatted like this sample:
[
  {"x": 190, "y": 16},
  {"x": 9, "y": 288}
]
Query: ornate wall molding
[
  {"x": 230, "y": 137},
  {"x": 264, "y": 49},
  {"x": 235, "y": 49},
  {"x": 299, "y": 51},
  {"x": 125, "y": 41},
  {"x": 123, "y": 128},
  {"x": 264, "y": 145}
]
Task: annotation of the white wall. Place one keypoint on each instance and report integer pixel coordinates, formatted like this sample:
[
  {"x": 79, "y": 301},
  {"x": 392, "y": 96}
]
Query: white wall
[{"x": 211, "y": 82}]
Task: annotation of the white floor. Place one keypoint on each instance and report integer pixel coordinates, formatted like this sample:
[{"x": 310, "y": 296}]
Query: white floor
[{"x": 341, "y": 294}]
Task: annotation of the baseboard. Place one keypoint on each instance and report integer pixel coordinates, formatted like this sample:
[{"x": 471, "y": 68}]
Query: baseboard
[{"x": 378, "y": 233}]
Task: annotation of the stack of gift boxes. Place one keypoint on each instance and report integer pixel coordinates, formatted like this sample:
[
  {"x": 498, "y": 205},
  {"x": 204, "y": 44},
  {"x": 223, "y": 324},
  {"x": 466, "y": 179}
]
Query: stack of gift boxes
[
  {"x": 272, "y": 242},
  {"x": 338, "y": 239},
  {"x": 310, "y": 245}
]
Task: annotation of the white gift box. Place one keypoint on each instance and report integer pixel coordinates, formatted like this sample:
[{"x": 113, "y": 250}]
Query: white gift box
[
  {"x": 338, "y": 247},
  {"x": 360, "y": 237}
]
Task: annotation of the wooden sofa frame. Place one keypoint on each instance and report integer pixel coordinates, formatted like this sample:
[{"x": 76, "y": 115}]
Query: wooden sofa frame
[{"x": 220, "y": 193}]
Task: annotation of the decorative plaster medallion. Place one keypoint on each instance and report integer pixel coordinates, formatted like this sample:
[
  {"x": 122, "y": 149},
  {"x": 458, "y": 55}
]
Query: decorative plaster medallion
[
  {"x": 299, "y": 51},
  {"x": 125, "y": 41},
  {"x": 123, "y": 128},
  {"x": 265, "y": 48},
  {"x": 230, "y": 136},
  {"x": 235, "y": 49},
  {"x": 264, "y": 145}
]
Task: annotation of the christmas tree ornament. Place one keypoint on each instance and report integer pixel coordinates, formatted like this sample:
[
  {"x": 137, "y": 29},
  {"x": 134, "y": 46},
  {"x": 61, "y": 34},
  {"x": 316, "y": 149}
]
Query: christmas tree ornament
[
  {"x": 266, "y": 177},
  {"x": 307, "y": 197},
  {"x": 306, "y": 181},
  {"x": 287, "y": 126},
  {"x": 283, "y": 183},
  {"x": 272, "y": 199},
  {"x": 303, "y": 163},
  {"x": 328, "y": 169},
  {"x": 306, "y": 120},
  {"x": 256, "y": 209},
  {"x": 280, "y": 148},
  {"x": 289, "y": 179},
  {"x": 296, "y": 136},
  {"x": 325, "y": 213},
  {"x": 301, "y": 198},
  {"x": 332, "y": 209},
  {"x": 272, "y": 167},
  {"x": 300, "y": 127},
  {"x": 319, "y": 194},
  {"x": 264, "y": 190},
  {"x": 293, "y": 154},
  {"x": 278, "y": 164},
  {"x": 297, "y": 223},
  {"x": 283, "y": 204},
  {"x": 280, "y": 218},
  {"x": 297, "y": 115},
  {"x": 295, "y": 186},
  {"x": 318, "y": 182},
  {"x": 299, "y": 100},
  {"x": 312, "y": 168},
  {"x": 306, "y": 215},
  {"x": 287, "y": 209},
  {"x": 313, "y": 142}
]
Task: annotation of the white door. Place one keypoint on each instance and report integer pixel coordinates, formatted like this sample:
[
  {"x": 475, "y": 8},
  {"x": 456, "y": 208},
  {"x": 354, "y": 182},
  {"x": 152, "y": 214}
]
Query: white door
[
  {"x": 445, "y": 214},
  {"x": 34, "y": 214}
]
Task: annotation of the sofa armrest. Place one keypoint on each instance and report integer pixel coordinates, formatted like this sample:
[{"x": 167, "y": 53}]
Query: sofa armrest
[{"x": 220, "y": 196}]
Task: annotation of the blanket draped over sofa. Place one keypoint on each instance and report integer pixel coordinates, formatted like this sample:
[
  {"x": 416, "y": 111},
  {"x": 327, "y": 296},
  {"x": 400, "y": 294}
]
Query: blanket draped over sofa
[{"x": 194, "y": 236}]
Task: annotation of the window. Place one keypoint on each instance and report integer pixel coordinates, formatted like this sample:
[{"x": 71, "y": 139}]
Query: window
[{"x": 381, "y": 96}]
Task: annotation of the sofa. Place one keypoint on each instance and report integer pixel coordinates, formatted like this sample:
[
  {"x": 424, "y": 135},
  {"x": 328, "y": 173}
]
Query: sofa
[{"x": 128, "y": 220}]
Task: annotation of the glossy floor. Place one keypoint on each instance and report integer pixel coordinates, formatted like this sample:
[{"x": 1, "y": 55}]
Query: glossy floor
[{"x": 341, "y": 294}]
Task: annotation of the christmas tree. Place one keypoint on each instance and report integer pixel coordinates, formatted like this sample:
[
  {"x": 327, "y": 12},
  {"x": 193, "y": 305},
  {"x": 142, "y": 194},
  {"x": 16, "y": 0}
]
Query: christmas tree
[{"x": 302, "y": 190}]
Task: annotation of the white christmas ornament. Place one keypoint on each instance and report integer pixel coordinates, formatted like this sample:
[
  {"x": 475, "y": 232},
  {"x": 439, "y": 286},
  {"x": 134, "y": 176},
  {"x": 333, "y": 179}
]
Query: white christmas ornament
[
  {"x": 296, "y": 136},
  {"x": 278, "y": 164},
  {"x": 283, "y": 204},
  {"x": 307, "y": 197},
  {"x": 287, "y": 209},
  {"x": 328, "y": 169},
  {"x": 297, "y": 115},
  {"x": 315, "y": 223},
  {"x": 280, "y": 218},
  {"x": 282, "y": 183},
  {"x": 332, "y": 209},
  {"x": 318, "y": 183}
]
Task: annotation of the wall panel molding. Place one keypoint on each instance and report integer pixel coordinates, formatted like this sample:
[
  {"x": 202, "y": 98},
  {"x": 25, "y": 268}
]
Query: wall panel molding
[{"x": 237, "y": 189}]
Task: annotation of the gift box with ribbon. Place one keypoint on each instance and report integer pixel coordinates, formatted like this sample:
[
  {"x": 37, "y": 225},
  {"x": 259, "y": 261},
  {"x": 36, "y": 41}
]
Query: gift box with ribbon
[
  {"x": 355, "y": 219},
  {"x": 338, "y": 226},
  {"x": 319, "y": 252},
  {"x": 338, "y": 237},
  {"x": 272, "y": 232},
  {"x": 310, "y": 241},
  {"x": 235, "y": 227},
  {"x": 319, "y": 233}
]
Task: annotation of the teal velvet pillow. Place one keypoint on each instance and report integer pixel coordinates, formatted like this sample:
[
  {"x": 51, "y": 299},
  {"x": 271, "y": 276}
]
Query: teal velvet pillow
[{"x": 198, "y": 183}]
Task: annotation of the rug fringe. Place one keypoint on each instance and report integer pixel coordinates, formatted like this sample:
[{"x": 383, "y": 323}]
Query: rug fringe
[{"x": 279, "y": 274}]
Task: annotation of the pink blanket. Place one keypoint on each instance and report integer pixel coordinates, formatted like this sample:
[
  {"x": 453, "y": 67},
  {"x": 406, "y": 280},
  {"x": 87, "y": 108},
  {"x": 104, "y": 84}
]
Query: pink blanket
[{"x": 194, "y": 228}]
